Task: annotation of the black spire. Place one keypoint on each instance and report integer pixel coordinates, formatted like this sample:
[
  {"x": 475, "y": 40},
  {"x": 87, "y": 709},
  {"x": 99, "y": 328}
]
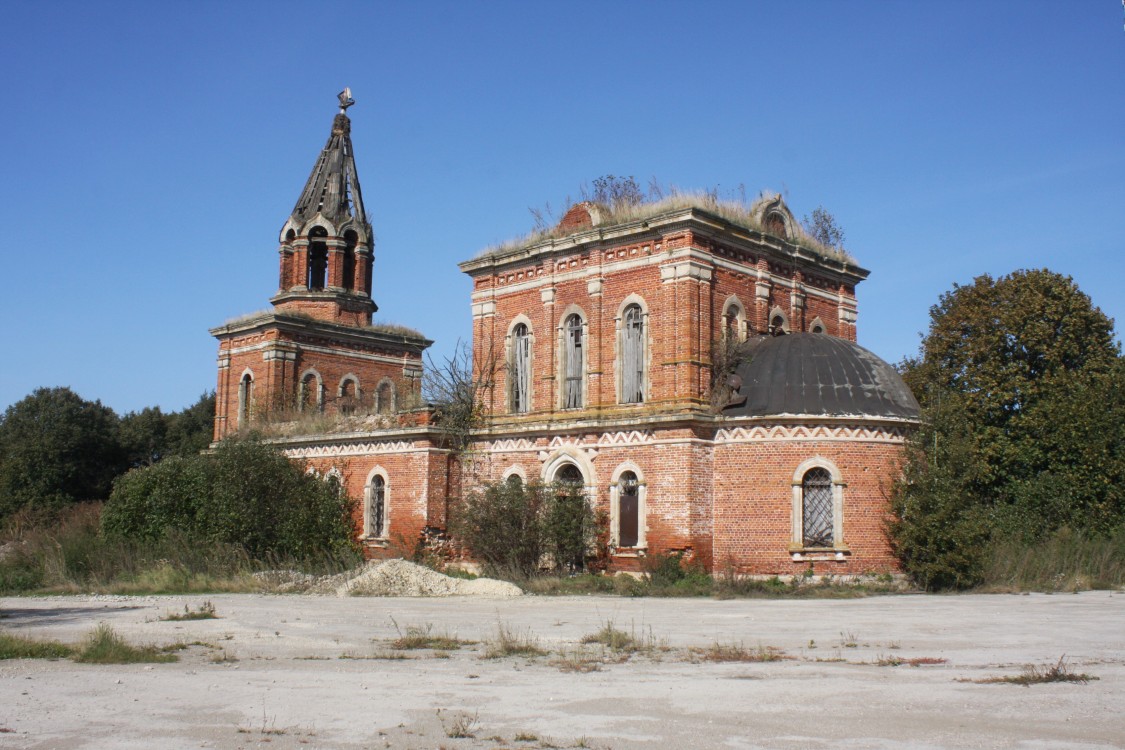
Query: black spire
[{"x": 333, "y": 187}]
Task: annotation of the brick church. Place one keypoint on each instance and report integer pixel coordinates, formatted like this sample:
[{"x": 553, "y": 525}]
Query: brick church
[{"x": 691, "y": 364}]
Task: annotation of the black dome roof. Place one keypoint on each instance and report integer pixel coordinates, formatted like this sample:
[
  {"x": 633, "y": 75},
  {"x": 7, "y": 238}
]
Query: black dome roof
[{"x": 817, "y": 374}]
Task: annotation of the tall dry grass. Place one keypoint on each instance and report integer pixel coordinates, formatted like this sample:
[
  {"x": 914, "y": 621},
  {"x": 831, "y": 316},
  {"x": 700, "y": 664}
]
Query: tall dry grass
[{"x": 1065, "y": 561}]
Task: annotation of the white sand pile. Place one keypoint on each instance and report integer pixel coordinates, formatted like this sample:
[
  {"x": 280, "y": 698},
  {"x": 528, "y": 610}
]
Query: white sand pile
[{"x": 402, "y": 578}]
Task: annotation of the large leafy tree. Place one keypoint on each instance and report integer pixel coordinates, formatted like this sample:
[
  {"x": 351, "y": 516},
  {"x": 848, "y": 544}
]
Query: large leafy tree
[
  {"x": 1020, "y": 383},
  {"x": 57, "y": 448}
]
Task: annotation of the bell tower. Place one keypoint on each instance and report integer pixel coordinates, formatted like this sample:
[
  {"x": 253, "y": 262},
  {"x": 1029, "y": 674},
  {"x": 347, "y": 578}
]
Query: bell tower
[
  {"x": 317, "y": 351},
  {"x": 326, "y": 243}
]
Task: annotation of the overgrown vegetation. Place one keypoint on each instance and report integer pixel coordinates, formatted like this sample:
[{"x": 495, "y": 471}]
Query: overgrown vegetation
[
  {"x": 105, "y": 646},
  {"x": 509, "y": 641},
  {"x": 246, "y": 493},
  {"x": 22, "y": 647},
  {"x": 58, "y": 449},
  {"x": 155, "y": 540},
  {"x": 516, "y": 529},
  {"x": 1037, "y": 675},
  {"x": 205, "y": 611},
  {"x": 621, "y": 199},
  {"x": 1023, "y": 441}
]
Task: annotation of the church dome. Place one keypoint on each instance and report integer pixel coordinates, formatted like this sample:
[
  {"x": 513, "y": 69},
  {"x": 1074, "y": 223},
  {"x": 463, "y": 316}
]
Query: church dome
[{"x": 816, "y": 374}]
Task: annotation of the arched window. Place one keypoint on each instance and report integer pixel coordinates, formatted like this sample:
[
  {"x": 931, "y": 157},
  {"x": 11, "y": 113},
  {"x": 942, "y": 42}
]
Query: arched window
[
  {"x": 514, "y": 481},
  {"x": 569, "y": 474},
  {"x": 817, "y": 326},
  {"x": 348, "y": 399},
  {"x": 350, "y": 240},
  {"x": 245, "y": 398},
  {"x": 775, "y": 225},
  {"x": 377, "y": 507},
  {"x": 318, "y": 258},
  {"x": 779, "y": 322},
  {"x": 633, "y": 355},
  {"x": 311, "y": 396},
  {"x": 573, "y": 362},
  {"x": 519, "y": 370},
  {"x": 816, "y": 508},
  {"x": 628, "y": 513},
  {"x": 734, "y": 320},
  {"x": 385, "y": 397}
]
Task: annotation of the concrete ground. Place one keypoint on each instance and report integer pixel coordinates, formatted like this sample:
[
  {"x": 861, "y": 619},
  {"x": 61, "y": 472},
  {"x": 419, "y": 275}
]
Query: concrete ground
[{"x": 270, "y": 674}]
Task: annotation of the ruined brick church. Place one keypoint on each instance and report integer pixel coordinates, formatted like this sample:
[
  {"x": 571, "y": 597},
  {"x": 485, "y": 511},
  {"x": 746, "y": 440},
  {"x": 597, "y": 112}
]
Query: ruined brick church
[{"x": 600, "y": 341}]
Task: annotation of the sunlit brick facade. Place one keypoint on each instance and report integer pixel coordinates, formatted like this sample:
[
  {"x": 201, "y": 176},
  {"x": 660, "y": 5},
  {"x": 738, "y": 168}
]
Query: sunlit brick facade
[{"x": 601, "y": 342}]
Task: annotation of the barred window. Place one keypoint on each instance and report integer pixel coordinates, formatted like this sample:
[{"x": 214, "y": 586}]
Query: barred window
[
  {"x": 377, "y": 506},
  {"x": 816, "y": 508}
]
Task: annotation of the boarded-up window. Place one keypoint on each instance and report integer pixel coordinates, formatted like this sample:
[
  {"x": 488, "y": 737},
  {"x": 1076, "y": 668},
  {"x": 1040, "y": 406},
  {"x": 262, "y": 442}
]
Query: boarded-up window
[
  {"x": 377, "y": 506},
  {"x": 574, "y": 363},
  {"x": 520, "y": 369},
  {"x": 633, "y": 355},
  {"x": 816, "y": 510},
  {"x": 628, "y": 510}
]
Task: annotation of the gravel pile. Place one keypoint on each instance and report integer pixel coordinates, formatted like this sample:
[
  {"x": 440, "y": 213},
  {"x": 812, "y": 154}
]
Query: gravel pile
[
  {"x": 387, "y": 578},
  {"x": 402, "y": 578}
]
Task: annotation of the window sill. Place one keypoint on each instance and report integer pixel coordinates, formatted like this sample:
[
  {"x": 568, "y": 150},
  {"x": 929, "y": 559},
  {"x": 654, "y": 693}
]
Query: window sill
[
  {"x": 839, "y": 553},
  {"x": 375, "y": 541},
  {"x": 629, "y": 551}
]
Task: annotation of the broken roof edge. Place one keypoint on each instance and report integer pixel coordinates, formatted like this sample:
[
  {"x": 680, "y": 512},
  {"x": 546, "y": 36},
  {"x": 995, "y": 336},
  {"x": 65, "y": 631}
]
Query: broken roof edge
[{"x": 659, "y": 216}]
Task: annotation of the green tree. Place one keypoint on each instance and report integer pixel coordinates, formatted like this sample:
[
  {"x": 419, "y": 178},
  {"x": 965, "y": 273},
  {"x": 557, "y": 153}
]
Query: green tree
[
  {"x": 245, "y": 493},
  {"x": 514, "y": 529},
  {"x": 1020, "y": 383},
  {"x": 823, "y": 228},
  {"x": 57, "y": 448}
]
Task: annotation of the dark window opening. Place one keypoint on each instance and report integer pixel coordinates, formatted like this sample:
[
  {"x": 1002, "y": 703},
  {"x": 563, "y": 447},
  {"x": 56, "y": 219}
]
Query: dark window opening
[
  {"x": 310, "y": 396},
  {"x": 385, "y": 398},
  {"x": 350, "y": 240},
  {"x": 777, "y": 325},
  {"x": 245, "y": 399},
  {"x": 816, "y": 508},
  {"x": 348, "y": 397},
  {"x": 628, "y": 517},
  {"x": 318, "y": 259}
]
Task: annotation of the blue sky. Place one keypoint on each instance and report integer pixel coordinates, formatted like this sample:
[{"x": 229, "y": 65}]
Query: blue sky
[{"x": 152, "y": 151}]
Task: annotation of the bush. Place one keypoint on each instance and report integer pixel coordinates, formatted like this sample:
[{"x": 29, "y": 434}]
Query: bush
[
  {"x": 517, "y": 529},
  {"x": 246, "y": 494}
]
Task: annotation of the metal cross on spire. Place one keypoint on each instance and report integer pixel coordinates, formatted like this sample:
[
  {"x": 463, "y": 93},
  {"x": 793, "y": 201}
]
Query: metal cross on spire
[{"x": 346, "y": 100}]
